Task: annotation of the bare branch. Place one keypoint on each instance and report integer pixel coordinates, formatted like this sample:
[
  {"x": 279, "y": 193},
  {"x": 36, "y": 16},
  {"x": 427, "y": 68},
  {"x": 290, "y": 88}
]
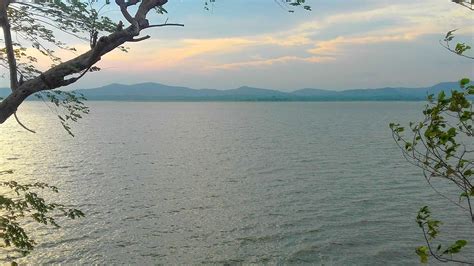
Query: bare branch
[
  {"x": 164, "y": 25},
  {"x": 140, "y": 39},
  {"x": 21, "y": 124}
]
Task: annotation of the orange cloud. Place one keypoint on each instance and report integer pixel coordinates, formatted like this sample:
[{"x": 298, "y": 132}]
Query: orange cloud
[
  {"x": 334, "y": 45},
  {"x": 272, "y": 61},
  {"x": 159, "y": 54}
]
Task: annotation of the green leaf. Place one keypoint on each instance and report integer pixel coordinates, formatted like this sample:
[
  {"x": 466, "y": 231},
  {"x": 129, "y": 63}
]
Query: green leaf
[
  {"x": 463, "y": 82},
  {"x": 449, "y": 35},
  {"x": 456, "y": 247},
  {"x": 423, "y": 253}
]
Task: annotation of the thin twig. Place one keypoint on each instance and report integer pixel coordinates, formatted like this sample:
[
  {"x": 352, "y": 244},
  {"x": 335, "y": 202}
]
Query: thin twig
[
  {"x": 21, "y": 124},
  {"x": 165, "y": 24}
]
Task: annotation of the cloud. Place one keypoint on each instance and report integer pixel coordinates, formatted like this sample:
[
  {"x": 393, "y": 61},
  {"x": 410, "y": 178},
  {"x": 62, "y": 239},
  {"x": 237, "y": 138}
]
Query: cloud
[
  {"x": 160, "y": 54},
  {"x": 342, "y": 44},
  {"x": 408, "y": 23},
  {"x": 195, "y": 47},
  {"x": 272, "y": 61},
  {"x": 321, "y": 39}
]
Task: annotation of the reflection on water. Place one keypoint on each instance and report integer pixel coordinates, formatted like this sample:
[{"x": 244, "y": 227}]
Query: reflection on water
[{"x": 225, "y": 183}]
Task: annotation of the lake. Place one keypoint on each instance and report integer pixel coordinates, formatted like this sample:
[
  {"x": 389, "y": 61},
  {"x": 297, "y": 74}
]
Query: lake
[{"x": 225, "y": 183}]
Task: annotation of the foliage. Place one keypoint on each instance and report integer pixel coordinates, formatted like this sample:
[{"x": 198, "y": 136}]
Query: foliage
[
  {"x": 442, "y": 146},
  {"x": 22, "y": 203},
  {"x": 459, "y": 48},
  {"x": 36, "y": 25},
  {"x": 71, "y": 102},
  {"x": 431, "y": 230}
]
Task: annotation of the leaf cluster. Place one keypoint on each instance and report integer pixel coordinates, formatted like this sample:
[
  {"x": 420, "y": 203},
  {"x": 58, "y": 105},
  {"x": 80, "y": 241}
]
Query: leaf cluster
[
  {"x": 442, "y": 146},
  {"x": 430, "y": 228},
  {"x": 69, "y": 106},
  {"x": 21, "y": 202},
  {"x": 460, "y": 48},
  {"x": 36, "y": 24}
]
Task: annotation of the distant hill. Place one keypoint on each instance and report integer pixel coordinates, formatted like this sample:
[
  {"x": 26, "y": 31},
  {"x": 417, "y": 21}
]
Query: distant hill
[{"x": 161, "y": 92}]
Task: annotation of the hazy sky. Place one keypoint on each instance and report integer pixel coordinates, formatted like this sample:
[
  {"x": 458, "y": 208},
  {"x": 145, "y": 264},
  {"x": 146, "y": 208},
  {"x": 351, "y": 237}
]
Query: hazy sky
[{"x": 340, "y": 44}]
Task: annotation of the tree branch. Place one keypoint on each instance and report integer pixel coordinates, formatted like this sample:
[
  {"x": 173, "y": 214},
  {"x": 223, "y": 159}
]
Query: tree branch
[
  {"x": 446, "y": 46},
  {"x": 123, "y": 8},
  {"x": 56, "y": 76},
  {"x": 164, "y": 25},
  {"x": 8, "y": 44},
  {"x": 464, "y": 4},
  {"x": 140, "y": 39},
  {"x": 144, "y": 8}
]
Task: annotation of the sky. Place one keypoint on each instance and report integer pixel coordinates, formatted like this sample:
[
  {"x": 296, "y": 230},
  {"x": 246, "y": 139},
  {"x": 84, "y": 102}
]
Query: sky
[{"x": 340, "y": 44}]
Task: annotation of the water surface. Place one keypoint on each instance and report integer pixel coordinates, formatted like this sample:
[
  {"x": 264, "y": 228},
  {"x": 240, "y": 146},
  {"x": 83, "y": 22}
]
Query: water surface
[{"x": 181, "y": 183}]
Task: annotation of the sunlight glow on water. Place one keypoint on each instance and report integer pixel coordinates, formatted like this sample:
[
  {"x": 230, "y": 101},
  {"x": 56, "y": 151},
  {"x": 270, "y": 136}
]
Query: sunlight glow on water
[{"x": 226, "y": 183}]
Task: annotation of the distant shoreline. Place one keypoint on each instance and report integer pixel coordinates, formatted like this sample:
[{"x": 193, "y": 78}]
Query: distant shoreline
[
  {"x": 246, "y": 101},
  {"x": 155, "y": 92}
]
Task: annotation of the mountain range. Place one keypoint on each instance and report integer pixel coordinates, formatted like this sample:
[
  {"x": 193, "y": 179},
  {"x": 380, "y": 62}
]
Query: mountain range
[{"x": 161, "y": 92}]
